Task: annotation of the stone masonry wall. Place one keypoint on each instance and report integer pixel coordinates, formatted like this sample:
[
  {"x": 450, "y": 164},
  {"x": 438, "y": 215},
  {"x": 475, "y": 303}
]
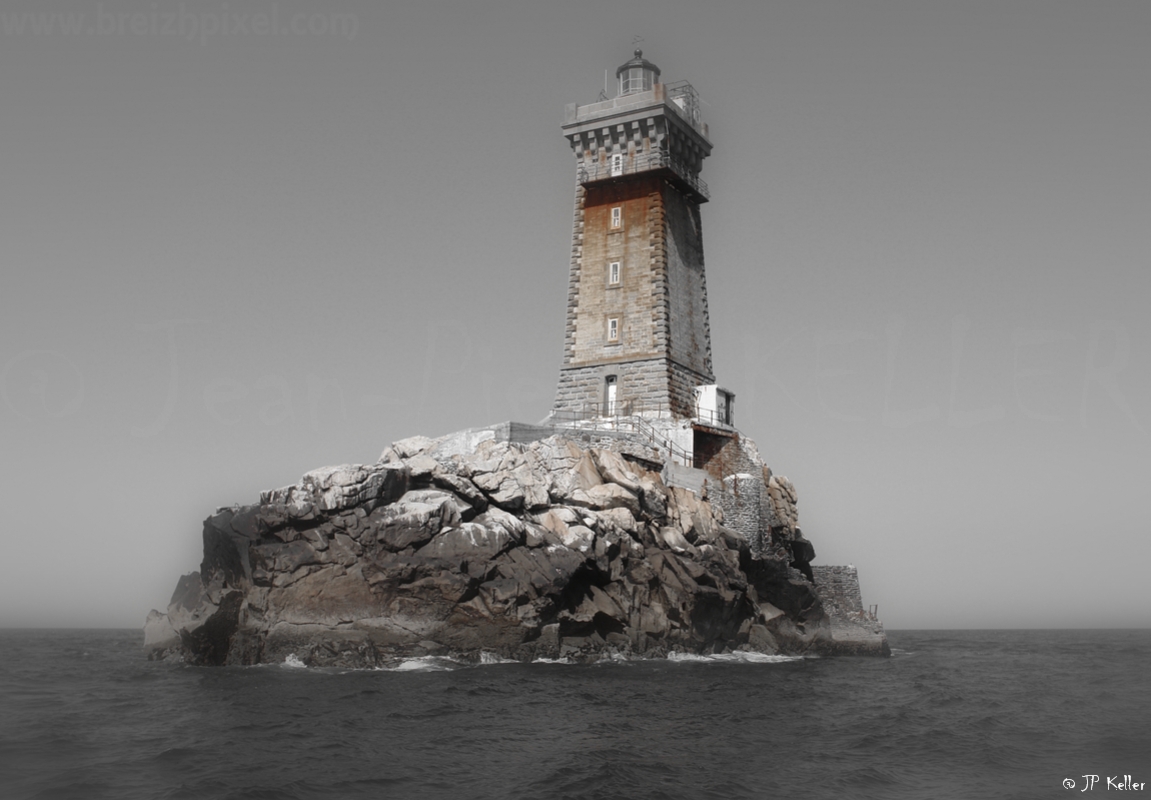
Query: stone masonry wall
[
  {"x": 744, "y": 493},
  {"x": 631, "y": 299},
  {"x": 664, "y": 341},
  {"x": 681, "y": 389},
  {"x": 740, "y": 501},
  {"x": 641, "y": 385},
  {"x": 690, "y": 327},
  {"x": 839, "y": 587},
  {"x": 582, "y": 388},
  {"x": 853, "y": 629},
  {"x": 574, "y": 275}
]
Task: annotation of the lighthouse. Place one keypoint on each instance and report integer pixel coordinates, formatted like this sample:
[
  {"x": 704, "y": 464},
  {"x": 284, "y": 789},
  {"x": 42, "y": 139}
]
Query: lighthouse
[{"x": 637, "y": 339}]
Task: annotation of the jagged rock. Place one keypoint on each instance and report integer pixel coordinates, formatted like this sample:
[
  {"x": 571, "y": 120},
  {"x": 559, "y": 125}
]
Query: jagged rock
[
  {"x": 510, "y": 477},
  {"x": 465, "y": 544},
  {"x": 802, "y": 554},
  {"x": 469, "y": 542},
  {"x": 783, "y": 499},
  {"x": 412, "y": 446},
  {"x": 337, "y": 488},
  {"x": 606, "y": 496},
  {"x": 616, "y": 470},
  {"x": 570, "y": 468}
]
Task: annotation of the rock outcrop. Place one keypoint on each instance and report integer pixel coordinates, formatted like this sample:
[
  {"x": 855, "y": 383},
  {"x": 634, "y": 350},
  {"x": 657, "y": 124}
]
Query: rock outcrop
[{"x": 456, "y": 547}]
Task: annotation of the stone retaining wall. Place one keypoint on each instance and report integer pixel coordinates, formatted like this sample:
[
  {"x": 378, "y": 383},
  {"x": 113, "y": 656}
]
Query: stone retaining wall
[
  {"x": 853, "y": 630},
  {"x": 741, "y": 502},
  {"x": 838, "y": 587}
]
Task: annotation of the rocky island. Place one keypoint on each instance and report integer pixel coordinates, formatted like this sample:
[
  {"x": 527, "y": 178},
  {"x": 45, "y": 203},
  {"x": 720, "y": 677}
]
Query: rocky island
[{"x": 477, "y": 543}]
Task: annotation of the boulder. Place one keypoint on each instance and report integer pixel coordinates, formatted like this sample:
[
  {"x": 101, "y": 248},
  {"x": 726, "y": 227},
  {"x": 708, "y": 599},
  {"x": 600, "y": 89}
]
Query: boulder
[{"x": 783, "y": 501}]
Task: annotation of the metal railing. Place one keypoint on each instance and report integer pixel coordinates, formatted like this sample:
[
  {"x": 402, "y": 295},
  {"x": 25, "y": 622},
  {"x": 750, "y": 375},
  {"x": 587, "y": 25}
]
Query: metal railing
[
  {"x": 717, "y": 418},
  {"x": 642, "y": 162},
  {"x": 661, "y": 443},
  {"x": 635, "y": 417},
  {"x": 629, "y": 416},
  {"x": 601, "y": 413},
  {"x": 622, "y": 408},
  {"x": 686, "y": 98}
]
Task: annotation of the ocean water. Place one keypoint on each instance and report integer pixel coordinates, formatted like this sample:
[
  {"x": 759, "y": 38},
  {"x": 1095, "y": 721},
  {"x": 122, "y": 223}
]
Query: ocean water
[{"x": 953, "y": 714}]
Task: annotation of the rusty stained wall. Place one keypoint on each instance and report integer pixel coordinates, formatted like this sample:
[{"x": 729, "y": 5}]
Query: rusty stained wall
[
  {"x": 634, "y": 300},
  {"x": 664, "y": 345},
  {"x": 720, "y": 455},
  {"x": 661, "y": 300}
]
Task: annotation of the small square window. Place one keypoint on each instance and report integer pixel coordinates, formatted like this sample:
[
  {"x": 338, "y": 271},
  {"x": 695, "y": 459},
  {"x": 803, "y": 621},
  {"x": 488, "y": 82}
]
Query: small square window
[
  {"x": 616, "y": 164},
  {"x": 613, "y": 273},
  {"x": 613, "y": 329},
  {"x": 617, "y": 216}
]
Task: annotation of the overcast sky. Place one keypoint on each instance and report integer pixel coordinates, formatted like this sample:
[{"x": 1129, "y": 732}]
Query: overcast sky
[{"x": 244, "y": 240}]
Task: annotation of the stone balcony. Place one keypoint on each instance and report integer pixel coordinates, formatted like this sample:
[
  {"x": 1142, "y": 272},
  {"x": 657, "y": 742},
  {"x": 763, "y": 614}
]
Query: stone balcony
[{"x": 595, "y": 172}]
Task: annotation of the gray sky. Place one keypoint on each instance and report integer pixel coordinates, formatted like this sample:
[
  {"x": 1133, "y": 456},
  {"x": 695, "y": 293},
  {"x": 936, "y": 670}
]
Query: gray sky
[{"x": 231, "y": 256}]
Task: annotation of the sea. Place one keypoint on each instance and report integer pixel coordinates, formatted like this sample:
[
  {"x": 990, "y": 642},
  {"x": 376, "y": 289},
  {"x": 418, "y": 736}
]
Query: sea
[{"x": 952, "y": 714}]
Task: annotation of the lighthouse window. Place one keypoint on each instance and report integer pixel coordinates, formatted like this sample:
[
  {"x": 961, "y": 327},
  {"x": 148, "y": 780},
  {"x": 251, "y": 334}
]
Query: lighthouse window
[
  {"x": 635, "y": 79},
  {"x": 617, "y": 216},
  {"x": 613, "y": 273},
  {"x": 613, "y": 329},
  {"x": 616, "y": 164}
]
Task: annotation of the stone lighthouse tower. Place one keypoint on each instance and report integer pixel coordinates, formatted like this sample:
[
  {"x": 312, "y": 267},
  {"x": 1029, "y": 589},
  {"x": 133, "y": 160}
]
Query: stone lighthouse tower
[{"x": 637, "y": 339}]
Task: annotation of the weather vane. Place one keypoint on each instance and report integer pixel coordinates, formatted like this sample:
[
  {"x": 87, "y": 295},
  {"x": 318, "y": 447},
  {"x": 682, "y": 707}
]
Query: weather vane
[{"x": 636, "y": 40}]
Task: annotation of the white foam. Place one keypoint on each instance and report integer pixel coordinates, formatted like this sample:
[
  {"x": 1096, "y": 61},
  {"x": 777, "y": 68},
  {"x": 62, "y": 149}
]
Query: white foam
[
  {"x": 292, "y": 661},
  {"x": 492, "y": 658},
  {"x": 424, "y": 664},
  {"x": 617, "y": 658},
  {"x": 738, "y": 657}
]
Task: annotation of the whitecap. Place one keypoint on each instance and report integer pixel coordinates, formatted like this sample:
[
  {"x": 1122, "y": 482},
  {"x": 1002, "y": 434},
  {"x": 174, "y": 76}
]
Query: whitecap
[
  {"x": 424, "y": 664},
  {"x": 492, "y": 658},
  {"x": 738, "y": 657},
  {"x": 615, "y": 657}
]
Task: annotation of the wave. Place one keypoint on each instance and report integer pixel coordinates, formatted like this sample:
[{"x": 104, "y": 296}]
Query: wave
[
  {"x": 424, "y": 664},
  {"x": 449, "y": 663},
  {"x": 492, "y": 658},
  {"x": 738, "y": 657}
]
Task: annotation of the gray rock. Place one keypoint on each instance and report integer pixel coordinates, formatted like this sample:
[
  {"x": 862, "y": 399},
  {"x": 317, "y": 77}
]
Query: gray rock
[
  {"x": 468, "y": 542},
  {"x": 606, "y": 496}
]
